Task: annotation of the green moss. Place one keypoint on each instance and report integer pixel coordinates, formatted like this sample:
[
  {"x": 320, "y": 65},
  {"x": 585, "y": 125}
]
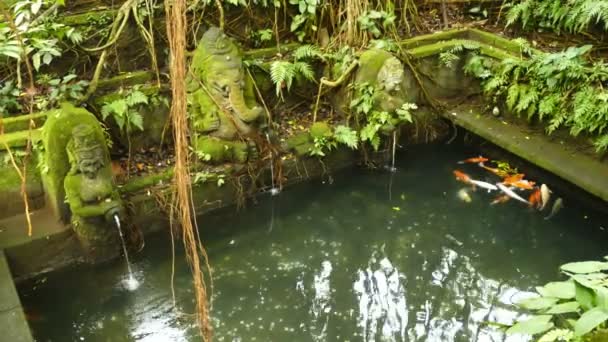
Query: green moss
[
  {"x": 85, "y": 18},
  {"x": 437, "y": 48},
  {"x": 320, "y": 129},
  {"x": 127, "y": 79},
  {"x": 56, "y": 133},
  {"x": 19, "y": 138},
  {"x": 434, "y": 37},
  {"x": 22, "y": 122},
  {"x": 300, "y": 143},
  {"x": 140, "y": 183},
  {"x": 220, "y": 150}
]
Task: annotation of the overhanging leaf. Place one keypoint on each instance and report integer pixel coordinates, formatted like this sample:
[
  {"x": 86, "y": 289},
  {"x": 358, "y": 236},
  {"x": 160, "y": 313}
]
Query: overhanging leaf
[
  {"x": 585, "y": 267},
  {"x": 537, "y": 303},
  {"x": 590, "y": 320},
  {"x": 558, "y": 289},
  {"x": 532, "y": 326},
  {"x": 564, "y": 308}
]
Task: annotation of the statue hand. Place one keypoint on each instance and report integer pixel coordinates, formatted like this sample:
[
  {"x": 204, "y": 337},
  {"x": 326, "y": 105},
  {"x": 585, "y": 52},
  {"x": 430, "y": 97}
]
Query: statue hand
[{"x": 113, "y": 209}]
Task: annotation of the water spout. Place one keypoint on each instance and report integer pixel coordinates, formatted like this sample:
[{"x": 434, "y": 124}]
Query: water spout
[
  {"x": 130, "y": 283},
  {"x": 273, "y": 190},
  {"x": 392, "y": 168}
]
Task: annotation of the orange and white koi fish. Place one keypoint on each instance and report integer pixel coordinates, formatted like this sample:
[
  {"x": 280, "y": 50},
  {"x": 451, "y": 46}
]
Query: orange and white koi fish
[
  {"x": 521, "y": 184},
  {"x": 510, "y": 193},
  {"x": 461, "y": 176},
  {"x": 474, "y": 160},
  {"x": 500, "y": 199},
  {"x": 535, "y": 198},
  {"x": 513, "y": 178}
]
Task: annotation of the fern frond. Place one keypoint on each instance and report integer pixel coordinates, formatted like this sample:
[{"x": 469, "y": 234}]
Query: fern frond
[
  {"x": 307, "y": 51},
  {"x": 282, "y": 74},
  {"x": 304, "y": 69}
]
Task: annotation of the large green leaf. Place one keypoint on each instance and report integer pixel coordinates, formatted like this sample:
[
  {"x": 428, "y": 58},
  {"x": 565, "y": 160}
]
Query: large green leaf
[
  {"x": 564, "y": 308},
  {"x": 532, "y": 326},
  {"x": 557, "y": 335},
  {"x": 537, "y": 303},
  {"x": 558, "y": 289},
  {"x": 585, "y": 267},
  {"x": 584, "y": 296},
  {"x": 589, "y": 320}
]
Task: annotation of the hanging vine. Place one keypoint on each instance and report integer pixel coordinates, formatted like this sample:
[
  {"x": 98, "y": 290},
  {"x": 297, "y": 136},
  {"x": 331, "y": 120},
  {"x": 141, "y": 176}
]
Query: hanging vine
[{"x": 183, "y": 213}]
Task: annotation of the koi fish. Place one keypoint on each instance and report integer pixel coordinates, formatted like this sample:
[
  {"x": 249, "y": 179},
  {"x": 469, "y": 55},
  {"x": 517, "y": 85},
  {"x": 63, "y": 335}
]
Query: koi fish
[
  {"x": 510, "y": 193},
  {"x": 557, "y": 206},
  {"x": 461, "y": 176},
  {"x": 500, "y": 199},
  {"x": 513, "y": 178},
  {"x": 522, "y": 184},
  {"x": 545, "y": 195},
  {"x": 535, "y": 198},
  {"x": 500, "y": 173},
  {"x": 484, "y": 185},
  {"x": 474, "y": 160},
  {"x": 464, "y": 195}
]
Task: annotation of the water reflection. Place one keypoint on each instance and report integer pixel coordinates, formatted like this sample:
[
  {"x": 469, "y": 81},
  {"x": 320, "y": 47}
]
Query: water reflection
[{"x": 381, "y": 301}]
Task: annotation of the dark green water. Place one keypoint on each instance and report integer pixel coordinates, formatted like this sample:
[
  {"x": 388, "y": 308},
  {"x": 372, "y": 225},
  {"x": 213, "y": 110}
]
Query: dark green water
[{"x": 370, "y": 257}]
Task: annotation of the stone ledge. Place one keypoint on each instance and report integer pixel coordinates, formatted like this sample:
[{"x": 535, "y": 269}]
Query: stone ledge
[{"x": 12, "y": 319}]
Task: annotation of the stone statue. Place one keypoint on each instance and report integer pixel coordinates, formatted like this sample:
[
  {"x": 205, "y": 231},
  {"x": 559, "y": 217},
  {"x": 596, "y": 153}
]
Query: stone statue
[
  {"x": 78, "y": 181},
  {"x": 222, "y": 103},
  {"x": 91, "y": 195},
  {"x": 394, "y": 85},
  {"x": 89, "y": 187}
]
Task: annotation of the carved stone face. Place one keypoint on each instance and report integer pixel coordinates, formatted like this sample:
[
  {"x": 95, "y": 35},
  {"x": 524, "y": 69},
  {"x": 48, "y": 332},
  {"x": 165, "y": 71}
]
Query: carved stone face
[
  {"x": 391, "y": 75},
  {"x": 88, "y": 152}
]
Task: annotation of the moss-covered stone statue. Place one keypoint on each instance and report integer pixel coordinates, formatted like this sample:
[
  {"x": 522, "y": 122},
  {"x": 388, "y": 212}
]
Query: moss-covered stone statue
[
  {"x": 393, "y": 84},
  {"x": 222, "y": 104},
  {"x": 79, "y": 181}
]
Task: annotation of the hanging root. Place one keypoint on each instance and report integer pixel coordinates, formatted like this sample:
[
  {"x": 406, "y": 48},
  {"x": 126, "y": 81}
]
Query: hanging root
[{"x": 184, "y": 210}]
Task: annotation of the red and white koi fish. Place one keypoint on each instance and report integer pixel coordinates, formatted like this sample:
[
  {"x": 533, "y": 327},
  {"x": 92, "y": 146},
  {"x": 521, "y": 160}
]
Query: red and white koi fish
[
  {"x": 474, "y": 160},
  {"x": 510, "y": 193},
  {"x": 521, "y": 184},
  {"x": 461, "y": 176}
]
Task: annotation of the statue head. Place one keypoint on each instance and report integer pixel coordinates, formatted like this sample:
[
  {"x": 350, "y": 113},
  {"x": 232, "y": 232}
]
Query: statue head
[
  {"x": 86, "y": 152},
  {"x": 391, "y": 75}
]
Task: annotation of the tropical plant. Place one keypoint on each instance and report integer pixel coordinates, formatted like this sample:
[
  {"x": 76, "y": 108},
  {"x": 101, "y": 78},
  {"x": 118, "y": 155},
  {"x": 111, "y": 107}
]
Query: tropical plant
[
  {"x": 572, "y": 310},
  {"x": 305, "y": 22},
  {"x": 572, "y": 16},
  {"x": 283, "y": 72},
  {"x": 9, "y": 98},
  {"x": 53, "y": 91},
  {"x": 341, "y": 135},
  {"x": 563, "y": 88},
  {"x": 124, "y": 111},
  {"x": 377, "y": 22},
  {"x": 374, "y": 121}
]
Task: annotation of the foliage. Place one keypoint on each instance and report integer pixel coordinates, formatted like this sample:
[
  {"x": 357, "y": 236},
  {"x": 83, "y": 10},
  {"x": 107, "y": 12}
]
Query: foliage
[
  {"x": 40, "y": 36},
  {"x": 305, "y": 21},
  {"x": 283, "y": 73},
  {"x": 377, "y": 22},
  {"x": 374, "y": 121},
  {"x": 259, "y": 37},
  {"x": 9, "y": 98},
  {"x": 207, "y": 176},
  {"x": 124, "y": 111},
  {"x": 563, "y": 88},
  {"x": 53, "y": 91},
  {"x": 570, "y": 310},
  {"x": 572, "y": 16},
  {"x": 327, "y": 142},
  {"x": 347, "y": 136}
]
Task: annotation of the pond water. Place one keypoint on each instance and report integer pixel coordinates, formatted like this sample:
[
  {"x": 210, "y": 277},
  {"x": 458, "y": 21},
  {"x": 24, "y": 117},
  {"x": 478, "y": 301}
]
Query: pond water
[{"x": 369, "y": 256}]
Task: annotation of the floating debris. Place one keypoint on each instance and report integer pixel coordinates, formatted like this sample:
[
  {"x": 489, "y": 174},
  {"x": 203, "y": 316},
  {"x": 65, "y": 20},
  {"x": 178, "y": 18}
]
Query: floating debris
[{"x": 464, "y": 195}]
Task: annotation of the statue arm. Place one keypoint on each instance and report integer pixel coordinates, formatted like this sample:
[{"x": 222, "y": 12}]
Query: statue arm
[{"x": 86, "y": 210}]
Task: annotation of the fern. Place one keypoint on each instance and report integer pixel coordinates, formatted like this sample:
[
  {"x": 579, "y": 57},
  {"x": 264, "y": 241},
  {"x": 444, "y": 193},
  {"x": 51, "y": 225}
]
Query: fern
[
  {"x": 573, "y": 16},
  {"x": 561, "y": 88},
  {"x": 308, "y": 52},
  {"x": 282, "y": 74}
]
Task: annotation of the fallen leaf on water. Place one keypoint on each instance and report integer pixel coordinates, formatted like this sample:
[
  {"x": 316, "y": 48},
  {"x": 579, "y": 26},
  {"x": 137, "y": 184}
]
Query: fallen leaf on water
[{"x": 396, "y": 208}]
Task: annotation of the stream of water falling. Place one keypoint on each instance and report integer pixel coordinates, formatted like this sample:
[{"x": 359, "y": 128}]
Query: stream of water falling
[
  {"x": 274, "y": 190},
  {"x": 130, "y": 283}
]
